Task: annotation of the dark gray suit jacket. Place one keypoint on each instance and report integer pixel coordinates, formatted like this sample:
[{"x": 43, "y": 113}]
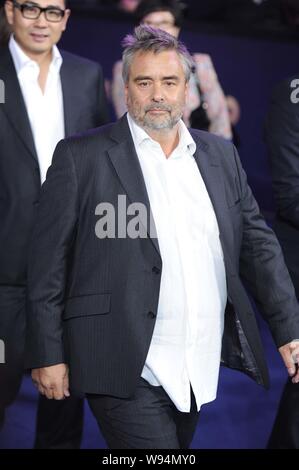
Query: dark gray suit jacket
[
  {"x": 282, "y": 137},
  {"x": 84, "y": 107},
  {"x": 95, "y": 305}
]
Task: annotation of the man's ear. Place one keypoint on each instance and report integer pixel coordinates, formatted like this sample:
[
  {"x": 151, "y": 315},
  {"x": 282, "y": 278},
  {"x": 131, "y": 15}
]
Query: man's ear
[
  {"x": 176, "y": 31},
  {"x": 126, "y": 92},
  {"x": 187, "y": 89},
  {"x": 9, "y": 12},
  {"x": 66, "y": 18}
]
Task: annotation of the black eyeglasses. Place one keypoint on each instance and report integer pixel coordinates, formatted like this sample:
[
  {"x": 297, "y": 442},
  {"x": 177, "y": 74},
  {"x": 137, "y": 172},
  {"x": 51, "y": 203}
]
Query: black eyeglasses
[{"x": 31, "y": 11}]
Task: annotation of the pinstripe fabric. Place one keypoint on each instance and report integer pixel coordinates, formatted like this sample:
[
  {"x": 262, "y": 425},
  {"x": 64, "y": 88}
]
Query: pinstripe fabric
[
  {"x": 106, "y": 348},
  {"x": 147, "y": 420}
]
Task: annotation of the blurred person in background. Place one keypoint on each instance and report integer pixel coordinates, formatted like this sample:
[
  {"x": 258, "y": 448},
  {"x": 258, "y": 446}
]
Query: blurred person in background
[
  {"x": 4, "y": 28},
  {"x": 290, "y": 12},
  {"x": 282, "y": 138},
  {"x": 234, "y": 111},
  {"x": 128, "y": 6}
]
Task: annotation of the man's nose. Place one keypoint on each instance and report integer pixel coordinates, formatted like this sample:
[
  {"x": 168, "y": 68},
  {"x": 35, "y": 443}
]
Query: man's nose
[
  {"x": 157, "y": 93},
  {"x": 41, "y": 21}
]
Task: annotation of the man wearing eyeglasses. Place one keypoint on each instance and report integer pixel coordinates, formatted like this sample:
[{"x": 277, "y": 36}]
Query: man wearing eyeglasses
[{"x": 48, "y": 95}]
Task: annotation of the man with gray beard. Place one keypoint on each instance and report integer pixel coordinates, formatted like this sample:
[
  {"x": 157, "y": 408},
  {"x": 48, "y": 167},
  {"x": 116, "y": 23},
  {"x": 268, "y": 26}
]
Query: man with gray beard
[{"x": 140, "y": 324}]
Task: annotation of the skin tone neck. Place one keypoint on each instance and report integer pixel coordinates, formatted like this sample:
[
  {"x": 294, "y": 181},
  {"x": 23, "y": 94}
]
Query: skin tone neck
[
  {"x": 44, "y": 62},
  {"x": 167, "y": 138}
]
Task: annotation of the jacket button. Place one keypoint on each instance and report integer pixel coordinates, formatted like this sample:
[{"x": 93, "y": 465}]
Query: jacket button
[
  {"x": 152, "y": 314},
  {"x": 156, "y": 270}
]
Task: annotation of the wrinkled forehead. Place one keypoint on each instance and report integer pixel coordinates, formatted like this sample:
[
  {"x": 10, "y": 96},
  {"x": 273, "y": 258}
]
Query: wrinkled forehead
[{"x": 165, "y": 62}]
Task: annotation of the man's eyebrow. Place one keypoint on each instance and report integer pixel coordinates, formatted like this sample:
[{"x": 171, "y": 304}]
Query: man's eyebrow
[
  {"x": 54, "y": 6},
  {"x": 142, "y": 77},
  {"x": 146, "y": 77},
  {"x": 171, "y": 77},
  {"x": 34, "y": 4}
]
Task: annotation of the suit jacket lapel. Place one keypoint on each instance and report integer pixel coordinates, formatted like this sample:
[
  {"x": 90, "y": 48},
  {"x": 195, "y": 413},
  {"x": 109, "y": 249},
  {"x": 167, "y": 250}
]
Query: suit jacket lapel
[
  {"x": 72, "y": 102},
  {"x": 69, "y": 97},
  {"x": 125, "y": 161},
  {"x": 210, "y": 169},
  {"x": 14, "y": 106}
]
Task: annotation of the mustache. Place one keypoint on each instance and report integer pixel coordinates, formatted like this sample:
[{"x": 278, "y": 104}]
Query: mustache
[{"x": 161, "y": 107}]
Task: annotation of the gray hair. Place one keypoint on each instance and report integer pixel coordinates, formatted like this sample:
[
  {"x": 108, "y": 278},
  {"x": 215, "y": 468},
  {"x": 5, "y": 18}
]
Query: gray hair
[{"x": 148, "y": 39}]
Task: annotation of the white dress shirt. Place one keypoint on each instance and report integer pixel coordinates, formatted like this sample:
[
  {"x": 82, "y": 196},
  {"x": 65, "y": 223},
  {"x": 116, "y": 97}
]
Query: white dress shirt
[
  {"x": 45, "y": 111},
  {"x": 186, "y": 343}
]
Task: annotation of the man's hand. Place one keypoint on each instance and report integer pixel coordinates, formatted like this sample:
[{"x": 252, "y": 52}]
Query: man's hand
[
  {"x": 52, "y": 381},
  {"x": 290, "y": 356}
]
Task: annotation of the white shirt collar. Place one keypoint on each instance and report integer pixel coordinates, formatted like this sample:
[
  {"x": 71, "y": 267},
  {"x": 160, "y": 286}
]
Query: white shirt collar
[
  {"x": 21, "y": 60},
  {"x": 186, "y": 142}
]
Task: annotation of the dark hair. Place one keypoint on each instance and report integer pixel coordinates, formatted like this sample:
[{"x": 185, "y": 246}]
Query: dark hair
[
  {"x": 148, "y": 39},
  {"x": 175, "y": 7},
  {"x": 5, "y": 29}
]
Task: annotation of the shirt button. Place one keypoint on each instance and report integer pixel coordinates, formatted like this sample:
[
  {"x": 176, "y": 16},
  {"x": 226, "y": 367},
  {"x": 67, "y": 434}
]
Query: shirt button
[
  {"x": 156, "y": 270},
  {"x": 152, "y": 314}
]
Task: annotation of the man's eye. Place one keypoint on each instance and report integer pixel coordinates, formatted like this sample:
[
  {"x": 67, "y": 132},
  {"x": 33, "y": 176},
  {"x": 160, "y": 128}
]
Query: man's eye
[
  {"x": 55, "y": 13},
  {"x": 170, "y": 84},
  {"x": 143, "y": 84},
  {"x": 30, "y": 9}
]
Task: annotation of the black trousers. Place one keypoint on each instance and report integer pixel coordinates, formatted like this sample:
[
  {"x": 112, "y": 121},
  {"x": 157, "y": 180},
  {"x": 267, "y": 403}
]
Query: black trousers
[
  {"x": 12, "y": 333},
  {"x": 285, "y": 432},
  {"x": 59, "y": 423},
  {"x": 147, "y": 420}
]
